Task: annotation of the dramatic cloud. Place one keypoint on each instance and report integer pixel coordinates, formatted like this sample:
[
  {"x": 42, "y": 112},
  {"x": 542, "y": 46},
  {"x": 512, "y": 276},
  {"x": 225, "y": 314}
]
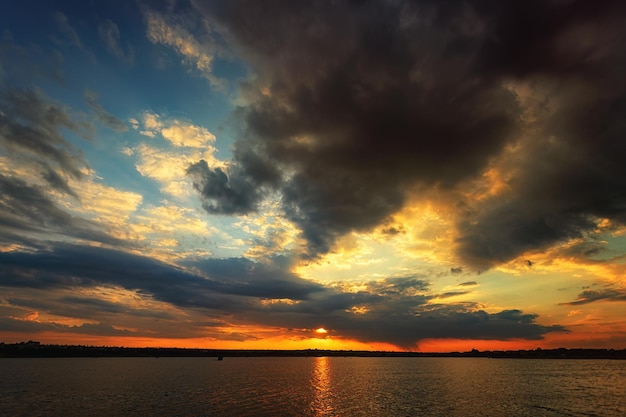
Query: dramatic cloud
[
  {"x": 75, "y": 266},
  {"x": 400, "y": 311},
  {"x": 184, "y": 144},
  {"x": 397, "y": 172},
  {"x": 395, "y": 310},
  {"x": 406, "y": 329},
  {"x": 223, "y": 193},
  {"x": 366, "y": 102}
]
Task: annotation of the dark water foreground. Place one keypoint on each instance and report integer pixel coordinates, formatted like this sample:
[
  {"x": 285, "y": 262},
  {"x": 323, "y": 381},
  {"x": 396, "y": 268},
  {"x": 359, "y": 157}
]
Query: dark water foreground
[{"x": 313, "y": 386}]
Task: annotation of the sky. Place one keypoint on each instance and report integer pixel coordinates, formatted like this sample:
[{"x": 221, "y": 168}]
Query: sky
[{"x": 382, "y": 175}]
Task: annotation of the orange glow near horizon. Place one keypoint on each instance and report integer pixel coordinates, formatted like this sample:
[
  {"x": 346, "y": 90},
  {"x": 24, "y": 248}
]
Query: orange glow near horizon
[
  {"x": 583, "y": 338},
  {"x": 580, "y": 339},
  {"x": 269, "y": 343}
]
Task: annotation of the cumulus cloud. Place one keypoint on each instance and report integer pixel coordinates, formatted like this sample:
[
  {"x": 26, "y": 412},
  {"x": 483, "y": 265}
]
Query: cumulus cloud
[
  {"x": 178, "y": 132},
  {"x": 366, "y": 102},
  {"x": 185, "y": 144},
  {"x": 184, "y": 134},
  {"x": 223, "y": 193}
]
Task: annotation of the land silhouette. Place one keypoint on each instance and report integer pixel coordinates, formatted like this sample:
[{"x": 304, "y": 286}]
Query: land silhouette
[{"x": 32, "y": 349}]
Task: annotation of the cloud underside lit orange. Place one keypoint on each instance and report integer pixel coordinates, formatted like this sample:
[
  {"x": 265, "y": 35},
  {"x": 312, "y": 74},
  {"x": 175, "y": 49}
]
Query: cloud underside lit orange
[{"x": 584, "y": 337}]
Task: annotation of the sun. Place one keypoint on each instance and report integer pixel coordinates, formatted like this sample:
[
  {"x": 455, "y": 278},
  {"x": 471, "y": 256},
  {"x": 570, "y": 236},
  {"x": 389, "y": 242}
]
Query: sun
[{"x": 321, "y": 330}]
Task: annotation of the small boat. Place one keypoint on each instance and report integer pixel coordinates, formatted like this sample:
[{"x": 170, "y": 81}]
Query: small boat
[{"x": 220, "y": 358}]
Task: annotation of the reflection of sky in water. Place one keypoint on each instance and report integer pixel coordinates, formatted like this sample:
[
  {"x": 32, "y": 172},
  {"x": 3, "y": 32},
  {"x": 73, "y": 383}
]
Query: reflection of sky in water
[
  {"x": 320, "y": 379},
  {"x": 306, "y": 387}
]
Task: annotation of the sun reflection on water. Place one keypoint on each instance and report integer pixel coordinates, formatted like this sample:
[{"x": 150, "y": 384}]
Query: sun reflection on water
[{"x": 320, "y": 380}]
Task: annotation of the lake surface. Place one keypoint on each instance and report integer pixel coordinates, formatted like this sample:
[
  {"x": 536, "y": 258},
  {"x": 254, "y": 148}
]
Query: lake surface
[{"x": 311, "y": 387}]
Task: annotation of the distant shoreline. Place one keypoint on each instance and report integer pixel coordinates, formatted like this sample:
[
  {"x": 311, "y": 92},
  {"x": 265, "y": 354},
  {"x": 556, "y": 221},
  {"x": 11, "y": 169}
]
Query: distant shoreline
[{"x": 37, "y": 350}]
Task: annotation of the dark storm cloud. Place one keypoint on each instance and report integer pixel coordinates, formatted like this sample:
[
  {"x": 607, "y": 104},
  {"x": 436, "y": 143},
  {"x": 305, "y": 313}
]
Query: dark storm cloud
[
  {"x": 223, "y": 193},
  {"x": 358, "y": 102},
  {"x": 571, "y": 172},
  {"x": 237, "y": 190},
  {"x": 364, "y": 100}
]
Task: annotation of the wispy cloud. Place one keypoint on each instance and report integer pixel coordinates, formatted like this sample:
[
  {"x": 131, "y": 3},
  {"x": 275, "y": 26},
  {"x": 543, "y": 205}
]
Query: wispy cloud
[
  {"x": 31, "y": 125},
  {"x": 198, "y": 55},
  {"x": 104, "y": 116},
  {"x": 591, "y": 296},
  {"x": 70, "y": 34},
  {"x": 110, "y": 35}
]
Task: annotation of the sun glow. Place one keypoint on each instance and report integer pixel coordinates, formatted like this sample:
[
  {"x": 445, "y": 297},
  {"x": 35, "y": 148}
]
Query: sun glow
[{"x": 321, "y": 330}]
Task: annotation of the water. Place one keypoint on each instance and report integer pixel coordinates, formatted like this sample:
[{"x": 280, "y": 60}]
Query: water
[{"x": 311, "y": 387}]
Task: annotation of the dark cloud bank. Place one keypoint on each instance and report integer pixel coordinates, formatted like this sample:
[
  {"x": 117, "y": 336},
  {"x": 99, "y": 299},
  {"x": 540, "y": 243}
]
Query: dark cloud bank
[
  {"x": 395, "y": 310},
  {"x": 354, "y": 103}
]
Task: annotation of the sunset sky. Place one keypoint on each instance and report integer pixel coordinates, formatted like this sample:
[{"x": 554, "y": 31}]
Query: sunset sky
[{"x": 413, "y": 175}]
